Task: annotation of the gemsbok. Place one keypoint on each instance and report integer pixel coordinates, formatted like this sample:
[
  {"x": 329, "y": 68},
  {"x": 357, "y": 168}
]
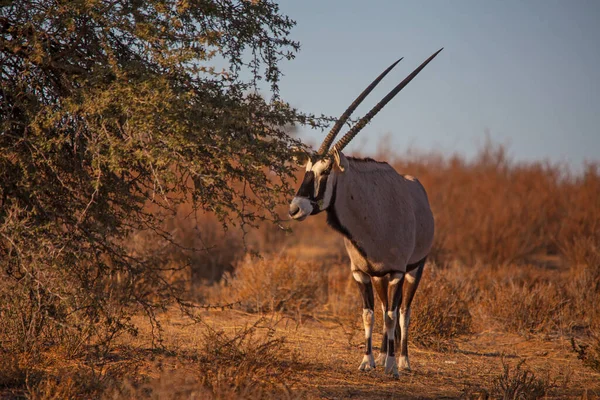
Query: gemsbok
[{"x": 386, "y": 222}]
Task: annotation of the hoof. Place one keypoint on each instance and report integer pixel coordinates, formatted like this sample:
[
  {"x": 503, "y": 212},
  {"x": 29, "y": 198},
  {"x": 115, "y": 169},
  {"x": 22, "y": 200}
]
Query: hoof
[
  {"x": 390, "y": 367},
  {"x": 381, "y": 360},
  {"x": 403, "y": 363},
  {"x": 368, "y": 363}
]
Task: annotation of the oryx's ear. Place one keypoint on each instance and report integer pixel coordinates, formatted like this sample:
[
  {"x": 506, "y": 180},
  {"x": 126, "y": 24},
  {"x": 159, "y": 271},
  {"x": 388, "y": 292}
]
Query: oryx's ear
[{"x": 340, "y": 163}]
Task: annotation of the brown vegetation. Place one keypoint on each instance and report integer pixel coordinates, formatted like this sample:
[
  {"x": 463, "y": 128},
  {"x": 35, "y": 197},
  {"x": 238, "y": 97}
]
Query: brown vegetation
[{"x": 517, "y": 255}]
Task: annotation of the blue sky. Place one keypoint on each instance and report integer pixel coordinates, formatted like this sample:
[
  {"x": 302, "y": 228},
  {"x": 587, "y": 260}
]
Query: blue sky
[{"x": 527, "y": 72}]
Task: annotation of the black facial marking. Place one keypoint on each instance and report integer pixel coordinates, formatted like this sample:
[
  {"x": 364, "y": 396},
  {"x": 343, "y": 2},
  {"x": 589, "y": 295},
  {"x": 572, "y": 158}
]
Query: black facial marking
[
  {"x": 322, "y": 187},
  {"x": 307, "y": 187},
  {"x": 319, "y": 196}
]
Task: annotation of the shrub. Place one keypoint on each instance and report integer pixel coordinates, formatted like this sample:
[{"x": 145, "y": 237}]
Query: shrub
[
  {"x": 518, "y": 383},
  {"x": 274, "y": 284},
  {"x": 440, "y": 311},
  {"x": 525, "y": 308},
  {"x": 578, "y": 237},
  {"x": 96, "y": 124},
  {"x": 589, "y": 352},
  {"x": 241, "y": 365}
]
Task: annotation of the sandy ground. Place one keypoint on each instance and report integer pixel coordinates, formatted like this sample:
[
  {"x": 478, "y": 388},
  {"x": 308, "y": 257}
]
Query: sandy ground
[{"x": 325, "y": 360}]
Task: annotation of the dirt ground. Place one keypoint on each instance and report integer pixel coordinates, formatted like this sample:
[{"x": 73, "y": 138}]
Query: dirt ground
[{"x": 324, "y": 357}]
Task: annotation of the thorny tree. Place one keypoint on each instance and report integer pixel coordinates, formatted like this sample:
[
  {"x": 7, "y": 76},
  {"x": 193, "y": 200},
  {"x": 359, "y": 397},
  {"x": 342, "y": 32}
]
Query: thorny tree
[{"x": 107, "y": 106}]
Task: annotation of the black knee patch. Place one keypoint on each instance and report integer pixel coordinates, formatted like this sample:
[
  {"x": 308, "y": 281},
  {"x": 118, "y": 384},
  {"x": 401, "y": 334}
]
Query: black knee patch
[
  {"x": 384, "y": 342},
  {"x": 390, "y": 351}
]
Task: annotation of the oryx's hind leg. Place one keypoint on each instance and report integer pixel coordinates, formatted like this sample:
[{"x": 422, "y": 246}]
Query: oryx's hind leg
[
  {"x": 394, "y": 298},
  {"x": 380, "y": 284},
  {"x": 411, "y": 283},
  {"x": 366, "y": 290}
]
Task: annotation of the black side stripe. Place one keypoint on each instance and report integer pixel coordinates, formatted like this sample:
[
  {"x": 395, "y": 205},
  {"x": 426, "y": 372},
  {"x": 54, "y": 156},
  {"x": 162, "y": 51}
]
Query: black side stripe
[
  {"x": 334, "y": 222},
  {"x": 410, "y": 267}
]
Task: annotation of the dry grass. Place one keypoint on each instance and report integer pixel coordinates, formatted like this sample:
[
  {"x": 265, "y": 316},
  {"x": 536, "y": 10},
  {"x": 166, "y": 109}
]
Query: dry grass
[
  {"x": 516, "y": 260},
  {"x": 589, "y": 352},
  {"x": 525, "y": 308},
  {"x": 499, "y": 212},
  {"x": 273, "y": 284},
  {"x": 441, "y": 311},
  {"x": 518, "y": 383},
  {"x": 238, "y": 365}
]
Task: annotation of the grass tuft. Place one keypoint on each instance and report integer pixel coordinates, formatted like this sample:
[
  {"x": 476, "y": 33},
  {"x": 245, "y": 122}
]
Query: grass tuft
[
  {"x": 441, "y": 311},
  {"x": 518, "y": 383}
]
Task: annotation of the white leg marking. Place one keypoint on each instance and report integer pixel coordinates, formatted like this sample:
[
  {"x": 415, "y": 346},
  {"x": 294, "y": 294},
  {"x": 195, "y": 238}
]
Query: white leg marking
[
  {"x": 390, "y": 361},
  {"x": 368, "y": 362},
  {"x": 411, "y": 276},
  {"x": 404, "y": 322},
  {"x": 361, "y": 277},
  {"x": 396, "y": 277},
  {"x": 368, "y": 320},
  {"x": 382, "y": 354}
]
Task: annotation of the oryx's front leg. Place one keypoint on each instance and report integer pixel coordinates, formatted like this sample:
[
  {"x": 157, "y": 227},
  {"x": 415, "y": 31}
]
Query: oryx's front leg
[
  {"x": 366, "y": 290},
  {"x": 391, "y": 320}
]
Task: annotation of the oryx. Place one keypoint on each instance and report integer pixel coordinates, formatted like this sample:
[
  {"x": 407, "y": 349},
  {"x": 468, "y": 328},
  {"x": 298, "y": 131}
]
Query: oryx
[{"x": 386, "y": 222}]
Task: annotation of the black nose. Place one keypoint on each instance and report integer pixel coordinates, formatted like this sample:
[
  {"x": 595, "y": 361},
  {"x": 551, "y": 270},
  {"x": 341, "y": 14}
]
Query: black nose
[{"x": 294, "y": 209}]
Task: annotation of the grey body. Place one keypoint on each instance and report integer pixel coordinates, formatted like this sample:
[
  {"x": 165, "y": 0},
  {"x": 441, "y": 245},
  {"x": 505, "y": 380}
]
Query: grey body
[
  {"x": 387, "y": 215},
  {"x": 386, "y": 222},
  {"x": 388, "y": 230}
]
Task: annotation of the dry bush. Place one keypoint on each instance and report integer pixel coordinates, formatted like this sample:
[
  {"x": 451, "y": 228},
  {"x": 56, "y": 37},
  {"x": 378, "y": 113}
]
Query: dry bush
[
  {"x": 344, "y": 303},
  {"x": 579, "y": 235},
  {"x": 518, "y": 383},
  {"x": 497, "y": 211},
  {"x": 582, "y": 287},
  {"x": 274, "y": 284},
  {"x": 195, "y": 250},
  {"x": 490, "y": 209},
  {"x": 54, "y": 375},
  {"x": 207, "y": 247},
  {"x": 533, "y": 307},
  {"x": 589, "y": 352},
  {"x": 243, "y": 365},
  {"x": 13, "y": 375},
  {"x": 343, "y": 297},
  {"x": 441, "y": 311}
]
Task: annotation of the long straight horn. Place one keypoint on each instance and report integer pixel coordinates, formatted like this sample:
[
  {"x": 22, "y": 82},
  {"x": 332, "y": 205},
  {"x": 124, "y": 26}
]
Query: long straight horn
[
  {"x": 365, "y": 120},
  {"x": 342, "y": 120}
]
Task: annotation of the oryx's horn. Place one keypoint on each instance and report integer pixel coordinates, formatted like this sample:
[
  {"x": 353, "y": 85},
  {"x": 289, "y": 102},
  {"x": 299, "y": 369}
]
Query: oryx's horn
[
  {"x": 342, "y": 120},
  {"x": 365, "y": 120}
]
